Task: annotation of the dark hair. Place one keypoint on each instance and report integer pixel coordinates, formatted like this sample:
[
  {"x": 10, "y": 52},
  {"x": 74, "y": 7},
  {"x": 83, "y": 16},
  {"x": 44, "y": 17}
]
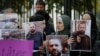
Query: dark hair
[
  {"x": 36, "y": 17},
  {"x": 86, "y": 41},
  {"x": 40, "y": 3},
  {"x": 77, "y": 33},
  {"x": 44, "y": 14}
]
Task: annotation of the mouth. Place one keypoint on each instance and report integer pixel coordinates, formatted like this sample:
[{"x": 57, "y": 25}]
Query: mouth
[{"x": 55, "y": 52}]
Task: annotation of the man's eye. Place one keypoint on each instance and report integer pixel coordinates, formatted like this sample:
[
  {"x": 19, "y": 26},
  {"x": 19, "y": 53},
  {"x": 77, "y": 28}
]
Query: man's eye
[
  {"x": 56, "y": 45},
  {"x": 59, "y": 22},
  {"x": 51, "y": 45}
]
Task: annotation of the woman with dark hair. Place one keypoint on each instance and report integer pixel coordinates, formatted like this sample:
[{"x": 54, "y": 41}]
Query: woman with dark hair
[{"x": 86, "y": 42}]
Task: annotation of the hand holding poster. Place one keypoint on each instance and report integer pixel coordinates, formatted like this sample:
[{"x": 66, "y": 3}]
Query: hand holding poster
[{"x": 16, "y": 48}]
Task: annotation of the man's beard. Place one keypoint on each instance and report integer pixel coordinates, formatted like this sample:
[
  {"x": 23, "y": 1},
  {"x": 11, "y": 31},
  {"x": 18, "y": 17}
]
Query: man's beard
[
  {"x": 32, "y": 31},
  {"x": 56, "y": 54},
  {"x": 82, "y": 32}
]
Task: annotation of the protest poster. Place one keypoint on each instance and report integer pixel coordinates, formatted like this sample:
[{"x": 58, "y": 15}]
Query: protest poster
[
  {"x": 57, "y": 45},
  {"x": 16, "y": 47},
  {"x": 8, "y": 21},
  {"x": 12, "y": 34},
  {"x": 80, "y": 31}
]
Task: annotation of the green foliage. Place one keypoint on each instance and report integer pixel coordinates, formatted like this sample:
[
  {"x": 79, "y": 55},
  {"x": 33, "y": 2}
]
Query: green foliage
[
  {"x": 18, "y": 6},
  {"x": 79, "y": 5},
  {"x": 98, "y": 5},
  {"x": 54, "y": 4}
]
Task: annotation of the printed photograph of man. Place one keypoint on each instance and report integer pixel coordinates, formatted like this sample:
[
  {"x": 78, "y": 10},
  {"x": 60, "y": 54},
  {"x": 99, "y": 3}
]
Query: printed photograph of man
[
  {"x": 34, "y": 32},
  {"x": 12, "y": 34},
  {"x": 81, "y": 38},
  {"x": 39, "y": 26},
  {"x": 56, "y": 45},
  {"x": 82, "y": 26}
]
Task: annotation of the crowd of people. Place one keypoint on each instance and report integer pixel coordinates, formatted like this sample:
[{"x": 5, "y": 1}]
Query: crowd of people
[{"x": 75, "y": 42}]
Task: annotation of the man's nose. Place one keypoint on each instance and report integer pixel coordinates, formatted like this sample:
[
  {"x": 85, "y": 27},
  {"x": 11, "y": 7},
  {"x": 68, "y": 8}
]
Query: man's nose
[
  {"x": 39, "y": 8},
  {"x": 54, "y": 47}
]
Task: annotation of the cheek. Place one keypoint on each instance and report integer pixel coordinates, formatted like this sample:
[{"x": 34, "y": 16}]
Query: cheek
[
  {"x": 60, "y": 48},
  {"x": 36, "y": 7},
  {"x": 61, "y": 27},
  {"x": 42, "y": 8},
  {"x": 43, "y": 26},
  {"x": 50, "y": 48}
]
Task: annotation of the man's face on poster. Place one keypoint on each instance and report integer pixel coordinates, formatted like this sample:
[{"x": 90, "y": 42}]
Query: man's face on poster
[
  {"x": 6, "y": 35},
  {"x": 55, "y": 47},
  {"x": 32, "y": 28},
  {"x": 82, "y": 28}
]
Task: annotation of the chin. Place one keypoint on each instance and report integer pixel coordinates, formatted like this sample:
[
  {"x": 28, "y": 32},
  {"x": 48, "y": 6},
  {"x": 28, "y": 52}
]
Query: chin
[
  {"x": 59, "y": 30},
  {"x": 56, "y": 54}
]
